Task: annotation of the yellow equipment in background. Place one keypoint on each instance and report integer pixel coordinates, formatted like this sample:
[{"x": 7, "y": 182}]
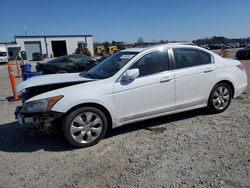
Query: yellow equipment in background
[
  {"x": 107, "y": 48},
  {"x": 99, "y": 50},
  {"x": 112, "y": 49}
]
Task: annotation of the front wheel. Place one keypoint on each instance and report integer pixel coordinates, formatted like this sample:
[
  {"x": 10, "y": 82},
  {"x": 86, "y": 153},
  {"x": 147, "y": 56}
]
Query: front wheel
[
  {"x": 220, "y": 98},
  {"x": 85, "y": 127}
]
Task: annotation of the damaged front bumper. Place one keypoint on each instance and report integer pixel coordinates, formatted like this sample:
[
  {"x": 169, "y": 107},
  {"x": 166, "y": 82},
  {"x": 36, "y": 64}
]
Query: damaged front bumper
[
  {"x": 21, "y": 118},
  {"x": 43, "y": 121}
]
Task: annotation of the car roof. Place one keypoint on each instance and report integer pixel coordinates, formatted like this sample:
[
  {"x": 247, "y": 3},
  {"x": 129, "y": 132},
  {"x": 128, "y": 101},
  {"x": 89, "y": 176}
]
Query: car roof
[{"x": 168, "y": 45}]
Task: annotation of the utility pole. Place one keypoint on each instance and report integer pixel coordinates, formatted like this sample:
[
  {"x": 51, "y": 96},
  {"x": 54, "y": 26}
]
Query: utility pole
[{"x": 25, "y": 29}]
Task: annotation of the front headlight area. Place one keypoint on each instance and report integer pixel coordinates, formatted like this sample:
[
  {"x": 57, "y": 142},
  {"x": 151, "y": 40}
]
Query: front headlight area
[{"x": 42, "y": 105}]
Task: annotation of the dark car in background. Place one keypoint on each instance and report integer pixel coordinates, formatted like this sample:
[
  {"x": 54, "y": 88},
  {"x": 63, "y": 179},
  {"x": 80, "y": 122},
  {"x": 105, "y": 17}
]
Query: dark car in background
[
  {"x": 243, "y": 53},
  {"x": 218, "y": 46},
  {"x": 66, "y": 64},
  {"x": 214, "y": 46},
  {"x": 36, "y": 56}
]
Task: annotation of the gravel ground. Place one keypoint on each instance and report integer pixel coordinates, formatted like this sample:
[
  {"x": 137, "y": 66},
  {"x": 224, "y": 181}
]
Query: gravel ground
[{"x": 191, "y": 149}]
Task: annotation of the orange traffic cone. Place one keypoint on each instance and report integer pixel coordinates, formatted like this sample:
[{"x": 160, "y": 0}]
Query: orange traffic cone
[{"x": 12, "y": 81}]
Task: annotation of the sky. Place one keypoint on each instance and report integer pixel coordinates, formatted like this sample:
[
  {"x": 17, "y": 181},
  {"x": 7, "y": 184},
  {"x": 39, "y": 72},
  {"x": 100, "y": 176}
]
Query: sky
[{"x": 126, "y": 20}]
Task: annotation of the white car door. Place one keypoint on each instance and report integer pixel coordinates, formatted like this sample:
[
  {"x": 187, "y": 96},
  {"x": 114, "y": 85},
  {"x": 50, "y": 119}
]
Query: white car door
[
  {"x": 149, "y": 94},
  {"x": 194, "y": 76}
]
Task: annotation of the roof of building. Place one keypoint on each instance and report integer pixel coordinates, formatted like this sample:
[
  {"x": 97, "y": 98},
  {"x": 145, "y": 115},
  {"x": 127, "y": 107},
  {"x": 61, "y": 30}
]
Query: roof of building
[
  {"x": 7, "y": 43},
  {"x": 50, "y": 36},
  {"x": 42, "y": 36}
]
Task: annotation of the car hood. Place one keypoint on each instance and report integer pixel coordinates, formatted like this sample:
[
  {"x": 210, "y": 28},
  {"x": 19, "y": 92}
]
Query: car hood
[{"x": 50, "y": 80}]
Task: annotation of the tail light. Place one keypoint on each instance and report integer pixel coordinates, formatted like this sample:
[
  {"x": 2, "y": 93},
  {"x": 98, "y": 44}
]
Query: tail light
[{"x": 241, "y": 67}]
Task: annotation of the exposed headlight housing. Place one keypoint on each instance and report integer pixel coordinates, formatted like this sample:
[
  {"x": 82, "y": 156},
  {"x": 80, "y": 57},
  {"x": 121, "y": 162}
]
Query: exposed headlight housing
[{"x": 41, "y": 105}]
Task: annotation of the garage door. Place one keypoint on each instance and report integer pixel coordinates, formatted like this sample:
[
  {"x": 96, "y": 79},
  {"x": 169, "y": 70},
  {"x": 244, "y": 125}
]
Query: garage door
[{"x": 32, "y": 47}]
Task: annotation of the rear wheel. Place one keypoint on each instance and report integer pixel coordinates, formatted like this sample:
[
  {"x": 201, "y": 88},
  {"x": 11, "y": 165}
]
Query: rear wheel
[
  {"x": 85, "y": 127},
  {"x": 220, "y": 98}
]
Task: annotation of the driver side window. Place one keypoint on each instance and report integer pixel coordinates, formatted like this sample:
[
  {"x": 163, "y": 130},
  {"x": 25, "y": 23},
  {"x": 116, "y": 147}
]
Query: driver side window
[{"x": 152, "y": 63}]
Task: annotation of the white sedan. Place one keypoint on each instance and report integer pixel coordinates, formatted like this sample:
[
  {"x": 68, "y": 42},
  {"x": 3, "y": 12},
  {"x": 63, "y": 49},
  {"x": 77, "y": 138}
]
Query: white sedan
[{"x": 131, "y": 85}]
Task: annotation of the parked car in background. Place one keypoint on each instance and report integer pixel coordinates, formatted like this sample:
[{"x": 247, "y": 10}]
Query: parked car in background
[
  {"x": 66, "y": 64},
  {"x": 237, "y": 45},
  {"x": 243, "y": 53},
  {"x": 130, "y": 86},
  {"x": 205, "y": 46},
  {"x": 3, "y": 54},
  {"x": 37, "y": 56},
  {"x": 214, "y": 46},
  {"x": 223, "y": 46},
  {"x": 242, "y": 45}
]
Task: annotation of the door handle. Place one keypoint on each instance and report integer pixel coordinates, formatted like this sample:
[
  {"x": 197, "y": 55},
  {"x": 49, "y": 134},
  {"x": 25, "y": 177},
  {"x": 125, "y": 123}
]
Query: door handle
[
  {"x": 166, "y": 79},
  {"x": 208, "y": 70}
]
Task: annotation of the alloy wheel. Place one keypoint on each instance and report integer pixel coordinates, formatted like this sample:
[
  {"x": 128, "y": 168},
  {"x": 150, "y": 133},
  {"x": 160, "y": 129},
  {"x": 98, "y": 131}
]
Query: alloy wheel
[
  {"x": 86, "y": 127},
  {"x": 221, "y": 97}
]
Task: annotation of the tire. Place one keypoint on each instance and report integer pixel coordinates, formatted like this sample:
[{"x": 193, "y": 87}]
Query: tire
[
  {"x": 85, "y": 127},
  {"x": 61, "y": 71},
  {"x": 220, "y": 98}
]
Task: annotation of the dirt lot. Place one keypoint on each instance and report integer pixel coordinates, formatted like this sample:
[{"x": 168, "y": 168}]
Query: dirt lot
[{"x": 191, "y": 149}]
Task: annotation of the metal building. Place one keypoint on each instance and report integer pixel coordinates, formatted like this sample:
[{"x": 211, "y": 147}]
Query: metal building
[{"x": 49, "y": 45}]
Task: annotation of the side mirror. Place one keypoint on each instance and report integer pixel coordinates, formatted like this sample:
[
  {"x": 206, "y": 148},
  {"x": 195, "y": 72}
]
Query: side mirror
[{"x": 131, "y": 74}]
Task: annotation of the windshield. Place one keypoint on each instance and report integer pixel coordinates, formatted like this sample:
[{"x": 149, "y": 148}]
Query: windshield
[
  {"x": 110, "y": 66},
  {"x": 3, "y": 54}
]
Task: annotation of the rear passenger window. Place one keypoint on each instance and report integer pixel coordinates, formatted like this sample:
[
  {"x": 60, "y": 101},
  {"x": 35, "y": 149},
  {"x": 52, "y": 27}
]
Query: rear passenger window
[
  {"x": 206, "y": 57},
  {"x": 152, "y": 63},
  {"x": 185, "y": 57}
]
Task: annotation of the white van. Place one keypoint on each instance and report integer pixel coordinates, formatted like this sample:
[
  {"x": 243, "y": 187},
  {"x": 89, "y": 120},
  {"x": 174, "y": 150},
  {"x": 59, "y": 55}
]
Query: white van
[{"x": 3, "y": 54}]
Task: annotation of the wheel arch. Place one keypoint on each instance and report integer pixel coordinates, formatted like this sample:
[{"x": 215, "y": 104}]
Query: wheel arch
[
  {"x": 95, "y": 105},
  {"x": 229, "y": 83}
]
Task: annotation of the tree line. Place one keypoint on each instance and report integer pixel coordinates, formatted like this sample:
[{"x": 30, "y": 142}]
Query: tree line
[
  {"x": 220, "y": 40},
  {"x": 212, "y": 40}
]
